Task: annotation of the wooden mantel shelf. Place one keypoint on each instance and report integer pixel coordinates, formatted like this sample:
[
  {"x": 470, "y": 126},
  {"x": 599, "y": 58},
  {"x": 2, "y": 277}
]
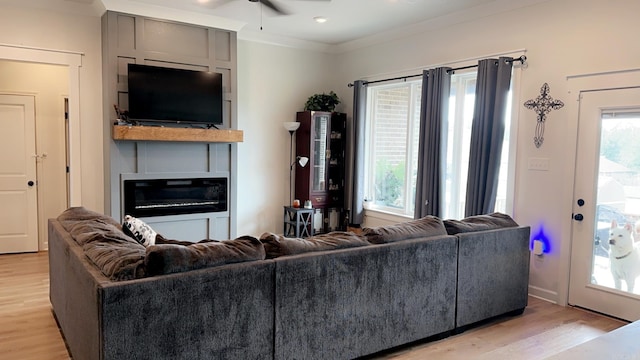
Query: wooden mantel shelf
[{"x": 157, "y": 133}]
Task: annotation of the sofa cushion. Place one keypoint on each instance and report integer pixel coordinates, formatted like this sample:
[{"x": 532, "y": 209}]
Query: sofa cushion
[
  {"x": 425, "y": 227},
  {"x": 479, "y": 223},
  {"x": 278, "y": 245},
  {"x": 80, "y": 213},
  {"x": 173, "y": 258},
  {"x": 115, "y": 254},
  {"x": 117, "y": 260},
  {"x": 85, "y": 226}
]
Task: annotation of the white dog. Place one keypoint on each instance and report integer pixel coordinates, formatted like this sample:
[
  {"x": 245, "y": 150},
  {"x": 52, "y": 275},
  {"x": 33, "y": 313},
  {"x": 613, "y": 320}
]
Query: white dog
[{"x": 624, "y": 256}]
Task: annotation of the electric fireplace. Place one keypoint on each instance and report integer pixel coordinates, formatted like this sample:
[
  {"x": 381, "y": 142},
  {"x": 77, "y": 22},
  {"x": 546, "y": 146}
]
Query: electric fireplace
[{"x": 160, "y": 197}]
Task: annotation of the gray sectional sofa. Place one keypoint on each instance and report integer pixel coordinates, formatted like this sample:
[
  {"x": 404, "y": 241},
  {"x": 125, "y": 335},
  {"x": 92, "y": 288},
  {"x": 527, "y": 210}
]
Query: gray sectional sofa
[{"x": 333, "y": 296}]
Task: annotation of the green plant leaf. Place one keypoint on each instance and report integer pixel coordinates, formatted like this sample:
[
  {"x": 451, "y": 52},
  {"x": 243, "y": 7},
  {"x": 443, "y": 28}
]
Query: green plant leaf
[{"x": 322, "y": 102}]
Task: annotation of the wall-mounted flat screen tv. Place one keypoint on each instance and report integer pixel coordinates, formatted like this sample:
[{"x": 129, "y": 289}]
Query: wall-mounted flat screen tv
[{"x": 174, "y": 95}]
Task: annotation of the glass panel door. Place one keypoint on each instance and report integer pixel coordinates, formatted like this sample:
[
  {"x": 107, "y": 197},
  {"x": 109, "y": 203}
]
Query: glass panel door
[
  {"x": 320, "y": 130},
  {"x": 605, "y": 262}
]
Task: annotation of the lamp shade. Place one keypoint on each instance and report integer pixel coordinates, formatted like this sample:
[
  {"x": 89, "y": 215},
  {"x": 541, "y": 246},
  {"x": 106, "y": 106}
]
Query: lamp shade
[{"x": 291, "y": 125}]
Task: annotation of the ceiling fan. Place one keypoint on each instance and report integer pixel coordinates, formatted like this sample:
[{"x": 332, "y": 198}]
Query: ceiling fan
[{"x": 278, "y": 9}]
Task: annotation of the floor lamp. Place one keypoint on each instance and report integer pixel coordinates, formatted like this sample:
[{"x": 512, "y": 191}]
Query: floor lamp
[{"x": 291, "y": 126}]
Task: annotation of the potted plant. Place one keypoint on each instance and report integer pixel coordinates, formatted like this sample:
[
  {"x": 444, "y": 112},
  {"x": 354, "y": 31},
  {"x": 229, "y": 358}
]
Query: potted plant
[{"x": 322, "y": 102}]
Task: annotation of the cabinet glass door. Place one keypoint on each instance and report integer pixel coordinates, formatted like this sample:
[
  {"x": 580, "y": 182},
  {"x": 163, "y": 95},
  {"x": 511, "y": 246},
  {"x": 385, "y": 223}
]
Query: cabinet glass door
[{"x": 320, "y": 130}]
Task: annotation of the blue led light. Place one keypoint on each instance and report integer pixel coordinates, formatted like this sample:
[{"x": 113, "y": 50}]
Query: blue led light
[{"x": 544, "y": 239}]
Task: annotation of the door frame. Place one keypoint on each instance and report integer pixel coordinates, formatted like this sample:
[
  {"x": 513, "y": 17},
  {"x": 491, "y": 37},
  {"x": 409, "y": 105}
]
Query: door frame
[
  {"x": 578, "y": 84},
  {"x": 73, "y": 60}
]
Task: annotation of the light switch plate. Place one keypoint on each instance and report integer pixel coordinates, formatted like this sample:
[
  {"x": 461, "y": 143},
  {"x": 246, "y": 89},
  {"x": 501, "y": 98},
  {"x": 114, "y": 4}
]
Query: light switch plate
[{"x": 539, "y": 164}]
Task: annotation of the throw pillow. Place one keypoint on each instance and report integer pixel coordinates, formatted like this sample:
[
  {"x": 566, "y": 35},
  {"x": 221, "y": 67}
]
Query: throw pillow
[
  {"x": 278, "y": 245},
  {"x": 425, "y": 227},
  {"x": 479, "y": 223},
  {"x": 139, "y": 230},
  {"x": 173, "y": 258}
]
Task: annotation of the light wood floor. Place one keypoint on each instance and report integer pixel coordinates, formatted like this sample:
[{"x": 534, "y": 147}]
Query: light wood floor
[{"x": 29, "y": 331}]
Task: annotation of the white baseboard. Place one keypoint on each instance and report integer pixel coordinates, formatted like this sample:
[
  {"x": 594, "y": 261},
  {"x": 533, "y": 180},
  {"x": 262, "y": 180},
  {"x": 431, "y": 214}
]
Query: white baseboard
[{"x": 543, "y": 294}]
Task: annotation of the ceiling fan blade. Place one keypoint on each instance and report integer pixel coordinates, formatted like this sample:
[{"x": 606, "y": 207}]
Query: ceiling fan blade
[
  {"x": 215, "y": 4},
  {"x": 278, "y": 9}
]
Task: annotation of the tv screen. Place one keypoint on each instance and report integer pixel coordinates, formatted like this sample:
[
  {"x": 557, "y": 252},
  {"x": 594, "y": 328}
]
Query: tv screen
[{"x": 176, "y": 95}]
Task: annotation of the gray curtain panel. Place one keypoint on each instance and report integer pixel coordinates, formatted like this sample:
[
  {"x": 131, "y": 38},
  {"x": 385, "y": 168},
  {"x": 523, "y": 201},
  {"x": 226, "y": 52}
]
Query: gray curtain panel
[
  {"x": 436, "y": 84},
  {"x": 356, "y": 201},
  {"x": 487, "y": 134}
]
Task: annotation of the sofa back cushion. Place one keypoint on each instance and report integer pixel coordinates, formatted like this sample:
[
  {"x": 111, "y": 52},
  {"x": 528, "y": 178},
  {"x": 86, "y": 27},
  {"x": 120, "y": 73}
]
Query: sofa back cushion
[
  {"x": 278, "y": 245},
  {"x": 80, "y": 213},
  {"x": 117, "y": 255},
  {"x": 425, "y": 227},
  {"x": 117, "y": 260},
  {"x": 86, "y": 225},
  {"x": 479, "y": 223},
  {"x": 171, "y": 258}
]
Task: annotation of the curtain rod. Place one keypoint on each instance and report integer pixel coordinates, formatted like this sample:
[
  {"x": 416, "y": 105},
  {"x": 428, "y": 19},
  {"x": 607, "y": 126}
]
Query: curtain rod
[{"x": 522, "y": 60}]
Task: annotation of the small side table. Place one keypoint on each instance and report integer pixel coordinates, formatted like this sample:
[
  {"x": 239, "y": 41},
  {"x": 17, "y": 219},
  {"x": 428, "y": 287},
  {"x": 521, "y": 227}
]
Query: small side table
[{"x": 298, "y": 222}]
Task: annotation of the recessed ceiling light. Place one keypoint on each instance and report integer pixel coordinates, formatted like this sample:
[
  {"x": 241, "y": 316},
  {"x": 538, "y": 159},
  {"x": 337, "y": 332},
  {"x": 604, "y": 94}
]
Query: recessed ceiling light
[{"x": 320, "y": 19}]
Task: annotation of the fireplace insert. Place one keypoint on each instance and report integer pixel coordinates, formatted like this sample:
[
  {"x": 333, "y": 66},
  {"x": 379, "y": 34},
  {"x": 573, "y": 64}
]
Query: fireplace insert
[{"x": 160, "y": 197}]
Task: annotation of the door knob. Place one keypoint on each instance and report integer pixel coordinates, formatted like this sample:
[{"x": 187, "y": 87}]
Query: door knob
[
  {"x": 578, "y": 217},
  {"x": 30, "y": 183}
]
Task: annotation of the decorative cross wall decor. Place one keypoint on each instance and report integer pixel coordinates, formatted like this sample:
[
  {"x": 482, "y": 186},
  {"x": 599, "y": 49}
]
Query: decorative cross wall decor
[{"x": 542, "y": 105}]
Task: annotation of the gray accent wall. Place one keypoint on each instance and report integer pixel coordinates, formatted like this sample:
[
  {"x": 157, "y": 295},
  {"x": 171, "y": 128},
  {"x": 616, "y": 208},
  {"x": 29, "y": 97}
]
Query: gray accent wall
[{"x": 135, "y": 39}]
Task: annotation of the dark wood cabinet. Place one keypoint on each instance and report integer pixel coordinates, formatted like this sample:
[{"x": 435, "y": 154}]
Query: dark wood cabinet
[{"x": 322, "y": 138}]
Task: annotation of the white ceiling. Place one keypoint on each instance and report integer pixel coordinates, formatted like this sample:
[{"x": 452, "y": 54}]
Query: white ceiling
[{"x": 349, "y": 21}]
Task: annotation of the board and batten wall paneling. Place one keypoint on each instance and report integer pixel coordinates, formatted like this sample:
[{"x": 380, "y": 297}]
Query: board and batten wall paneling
[{"x": 132, "y": 39}]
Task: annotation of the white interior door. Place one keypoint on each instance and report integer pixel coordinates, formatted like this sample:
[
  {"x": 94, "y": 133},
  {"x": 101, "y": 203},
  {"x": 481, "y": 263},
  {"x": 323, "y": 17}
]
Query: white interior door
[
  {"x": 605, "y": 260},
  {"x": 18, "y": 196}
]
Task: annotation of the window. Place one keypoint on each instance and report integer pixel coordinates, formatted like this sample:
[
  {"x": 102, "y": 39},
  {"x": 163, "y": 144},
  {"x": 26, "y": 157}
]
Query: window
[
  {"x": 393, "y": 122},
  {"x": 392, "y": 146}
]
